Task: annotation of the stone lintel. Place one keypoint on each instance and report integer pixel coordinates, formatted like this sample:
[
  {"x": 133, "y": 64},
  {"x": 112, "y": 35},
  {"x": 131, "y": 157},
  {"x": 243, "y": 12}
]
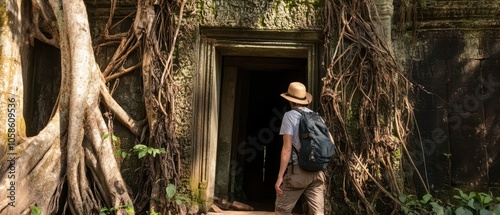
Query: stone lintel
[{"x": 459, "y": 15}]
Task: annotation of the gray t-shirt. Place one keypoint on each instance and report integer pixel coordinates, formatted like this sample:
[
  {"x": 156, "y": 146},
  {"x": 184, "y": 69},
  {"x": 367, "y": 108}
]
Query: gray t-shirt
[{"x": 290, "y": 125}]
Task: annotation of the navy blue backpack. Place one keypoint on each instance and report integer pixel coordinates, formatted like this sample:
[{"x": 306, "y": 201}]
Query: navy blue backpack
[{"x": 316, "y": 147}]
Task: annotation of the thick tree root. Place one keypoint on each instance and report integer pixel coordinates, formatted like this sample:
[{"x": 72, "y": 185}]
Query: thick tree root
[
  {"x": 72, "y": 143},
  {"x": 365, "y": 98},
  {"x": 38, "y": 167},
  {"x": 70, "y": 166}
]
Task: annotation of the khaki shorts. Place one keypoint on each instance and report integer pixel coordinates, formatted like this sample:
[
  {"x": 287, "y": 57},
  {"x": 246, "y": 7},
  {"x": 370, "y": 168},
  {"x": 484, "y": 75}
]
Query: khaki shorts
[{"x": 311, "y": 184}]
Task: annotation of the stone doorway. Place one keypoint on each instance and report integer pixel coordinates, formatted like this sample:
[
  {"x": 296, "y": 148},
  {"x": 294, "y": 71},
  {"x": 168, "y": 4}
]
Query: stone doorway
[
  {"x": 249, "y": 144},
  {"x": 235, "y": 64}
]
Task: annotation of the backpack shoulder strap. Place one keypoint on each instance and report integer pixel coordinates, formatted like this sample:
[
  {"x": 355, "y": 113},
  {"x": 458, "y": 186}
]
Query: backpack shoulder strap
[
  {"x": 291, "y": 154},
  {"x": 294, "y": 150},
  {"x": 299, "y": 110}
]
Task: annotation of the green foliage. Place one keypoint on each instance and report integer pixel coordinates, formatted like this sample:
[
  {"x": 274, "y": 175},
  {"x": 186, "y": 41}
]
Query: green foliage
[
  {"x": 398, "y": 153},
  {"x": 477, "y": 203},
  {"x": 123, "y": 153},
  {"x": 114, "y": 138},
  {"x": 473, "y": 203},
  {"x": 141, "y": 150},
  {"x": 107, "y": 211},
  {"x": 144, "y": 150},
  {"x": 426, "y": 205},
  {"x": 35, "y": 210},
  {"x": 116, "y": 143},
  {"x": 171, "y": 190},
  {"x": 173, "y": 195}
]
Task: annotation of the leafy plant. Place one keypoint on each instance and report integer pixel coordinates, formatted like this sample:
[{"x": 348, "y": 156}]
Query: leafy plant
[
  {"x": 477, "y": 203},
  {"x": 123, "y": 153},
  {"x": 107, "y": 211},
  {"x": 473, "y": 203},
  {"x": 143, "y": 150},
  {"x": 115, "y": 139},
  {"x": 173, "y": 195},
  {"x": 427, "y": 205},
  {"x": 116, "y": 144},
  {"x": 35, "y": 210}
]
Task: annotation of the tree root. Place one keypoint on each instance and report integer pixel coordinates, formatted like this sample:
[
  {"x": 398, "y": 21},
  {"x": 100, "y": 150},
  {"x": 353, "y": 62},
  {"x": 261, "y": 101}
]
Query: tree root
[
  {"x": 39, "y": 166},
  {"x": 365, "y": 100},
  {"x": 71, "y": 153},
  {"x": 72, "y": 143},
  {"x": 134, "y": 126}
]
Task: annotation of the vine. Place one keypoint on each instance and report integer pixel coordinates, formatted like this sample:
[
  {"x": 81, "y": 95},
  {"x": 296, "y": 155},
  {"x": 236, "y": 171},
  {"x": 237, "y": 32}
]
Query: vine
[
  {"x": 365, "y": 100},
  {"x": 152, "y": 36}
]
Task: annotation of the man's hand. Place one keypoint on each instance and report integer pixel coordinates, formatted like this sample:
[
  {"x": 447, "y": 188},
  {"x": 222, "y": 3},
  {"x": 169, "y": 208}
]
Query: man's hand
[
  {"x": 286, "y": 152},
  {"x": 277, "y": 186}
]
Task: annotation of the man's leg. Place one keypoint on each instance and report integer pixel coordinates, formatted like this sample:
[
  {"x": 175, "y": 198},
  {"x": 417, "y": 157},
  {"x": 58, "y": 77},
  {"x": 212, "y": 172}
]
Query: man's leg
[
  {"x": 292, "y": 190},
  {"x": 315, "y": 195},
  {"x": 286, "y": 202}
]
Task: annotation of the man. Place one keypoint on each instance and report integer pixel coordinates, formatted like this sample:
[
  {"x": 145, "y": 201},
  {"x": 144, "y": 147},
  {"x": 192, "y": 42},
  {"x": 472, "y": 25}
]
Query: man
[{"x": 290, "y": 186}]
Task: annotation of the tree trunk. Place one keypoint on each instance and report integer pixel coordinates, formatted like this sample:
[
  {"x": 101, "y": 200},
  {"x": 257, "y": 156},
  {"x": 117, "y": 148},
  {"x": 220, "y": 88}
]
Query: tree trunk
[
  {"x": 70, "y": 151},
  {"x": 11, "y": 85}
]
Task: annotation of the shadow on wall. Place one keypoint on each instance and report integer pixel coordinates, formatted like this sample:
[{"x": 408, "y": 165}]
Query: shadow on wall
[{"x": 457, "y": 110}]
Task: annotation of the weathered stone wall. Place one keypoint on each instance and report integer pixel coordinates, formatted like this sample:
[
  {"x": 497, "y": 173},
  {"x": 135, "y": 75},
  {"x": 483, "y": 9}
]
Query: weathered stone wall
[
  {"x": 186, "y": 60},
  {"x": 259, "y": 14},
  {"x": 453, "y": 56}
]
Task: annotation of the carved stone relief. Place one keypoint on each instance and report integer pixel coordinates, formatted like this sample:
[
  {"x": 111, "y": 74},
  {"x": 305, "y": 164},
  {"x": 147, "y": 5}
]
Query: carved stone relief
[{"x": 281, "y": 14}]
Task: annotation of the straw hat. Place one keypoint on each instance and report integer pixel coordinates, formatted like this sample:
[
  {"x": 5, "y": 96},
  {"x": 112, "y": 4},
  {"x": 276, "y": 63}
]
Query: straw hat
[{"x": 297, "y": 93}]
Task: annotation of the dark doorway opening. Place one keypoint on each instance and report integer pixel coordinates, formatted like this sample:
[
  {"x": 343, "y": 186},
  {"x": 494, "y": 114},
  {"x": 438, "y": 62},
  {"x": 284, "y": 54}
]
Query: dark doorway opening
[
  {"x": 252, "y": 107},
  {"x": 44, "y": 80}
]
